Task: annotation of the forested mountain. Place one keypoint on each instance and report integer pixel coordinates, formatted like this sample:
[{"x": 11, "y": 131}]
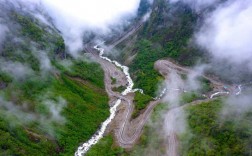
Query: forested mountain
[{"x": 56, "y": 89}]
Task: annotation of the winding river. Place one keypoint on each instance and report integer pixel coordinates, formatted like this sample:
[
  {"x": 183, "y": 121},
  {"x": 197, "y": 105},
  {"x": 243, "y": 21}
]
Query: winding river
[{"x": 82, "y": 150}]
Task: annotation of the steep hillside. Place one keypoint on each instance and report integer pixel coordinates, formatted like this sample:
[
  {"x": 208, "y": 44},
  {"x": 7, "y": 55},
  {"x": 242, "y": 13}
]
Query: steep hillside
[
  {"x": 165, "y": 34},
  {"x": 53, "y": 98},
  {"x": 49, "y": 103}
]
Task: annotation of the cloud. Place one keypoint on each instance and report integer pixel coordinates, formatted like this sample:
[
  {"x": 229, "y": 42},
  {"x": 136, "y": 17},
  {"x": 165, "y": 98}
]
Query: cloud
[
  {"x": 236, "y": 106},
  {"x": 55, "y": 109},
  {"x": 175, "y": 122},
  {"x": 146, "y": 16},
  {"x": 15, "y": 110},
  {"x": 227, "y": 33},
  {"x": 174, "y": 83},
  {"x": 44, "y": 60},
  {"x": 77, "y": 18},
  {"x": 45, "y": 63},
  {"x": 19, "y": 114},
  {"x": 16, "y": 69}
]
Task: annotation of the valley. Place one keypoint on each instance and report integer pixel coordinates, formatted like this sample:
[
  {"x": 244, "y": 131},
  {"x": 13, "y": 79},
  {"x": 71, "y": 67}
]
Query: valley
[
  {"x": 127, "y": 130},
  {"x": 125, "y": 78}
]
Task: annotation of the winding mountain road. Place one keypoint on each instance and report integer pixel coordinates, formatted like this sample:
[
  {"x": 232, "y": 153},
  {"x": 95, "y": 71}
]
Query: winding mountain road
[{"x": 126, "y": 130}]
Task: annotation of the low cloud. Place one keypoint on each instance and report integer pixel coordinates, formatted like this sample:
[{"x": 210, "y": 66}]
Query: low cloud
[
  {"x": 16, "y": 69},
  {"x": 15, "y": 110},
  {"x": 236, "y": 106},
  {"x": 55, "y": 108},
  {"x": 174, "y": 84},
  {"x": 20, "y": 114},
  {"x": 227, "y": 33},
  {"x": 45, "y": 63},
  {"x": 76, "y": 19},
  {"x": 175, "y": 122},
  {"x": 44, "y": 60}
]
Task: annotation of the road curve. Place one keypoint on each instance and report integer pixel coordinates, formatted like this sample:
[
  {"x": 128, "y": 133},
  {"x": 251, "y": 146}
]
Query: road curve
[{"x": 128, "y": 131}]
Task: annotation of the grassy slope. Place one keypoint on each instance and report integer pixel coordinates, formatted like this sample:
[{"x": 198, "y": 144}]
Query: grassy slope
[
  {"x": 18, "y": 141},
  {"x": 86, "y": 108},
  {"x": 82, "y": 87}
]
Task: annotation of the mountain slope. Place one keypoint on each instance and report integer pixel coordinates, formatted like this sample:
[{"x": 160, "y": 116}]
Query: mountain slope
[{"x": 49, "y": 102}]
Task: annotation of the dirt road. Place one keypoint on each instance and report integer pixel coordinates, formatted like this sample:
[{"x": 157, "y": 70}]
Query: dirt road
[{"x": 128, "y": 131}]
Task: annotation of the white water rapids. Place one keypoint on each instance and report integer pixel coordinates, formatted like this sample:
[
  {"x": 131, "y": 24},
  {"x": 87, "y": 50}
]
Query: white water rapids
[
  {"x": 82, "y": 150},
  {"x": 218, "y": 93}
]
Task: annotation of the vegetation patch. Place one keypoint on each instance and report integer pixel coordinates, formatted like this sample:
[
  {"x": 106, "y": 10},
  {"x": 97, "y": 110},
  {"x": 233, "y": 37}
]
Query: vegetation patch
[
  {"x": 106, "y": 147},
  {"x": 88, "y": 71},
  {"x": 144, "y": 74},
  {"x": 18, "y": 141},
  {"x": 119, "y": 89},
  {"x": 86, "y": 109},
  {"x": 163, "y": 36},
  {"x": 212, "y": 136},
  {"x": 29, "y": 28},
  {"x": 140, "y": 102},
  {"x": 113, "y": 80},
  {"x": 205, "y": 85},
  {"x": 190, "y": 97}
]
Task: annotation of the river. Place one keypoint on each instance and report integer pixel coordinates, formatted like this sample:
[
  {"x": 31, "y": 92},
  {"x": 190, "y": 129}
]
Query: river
[{"x": 82, "y": 150}]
